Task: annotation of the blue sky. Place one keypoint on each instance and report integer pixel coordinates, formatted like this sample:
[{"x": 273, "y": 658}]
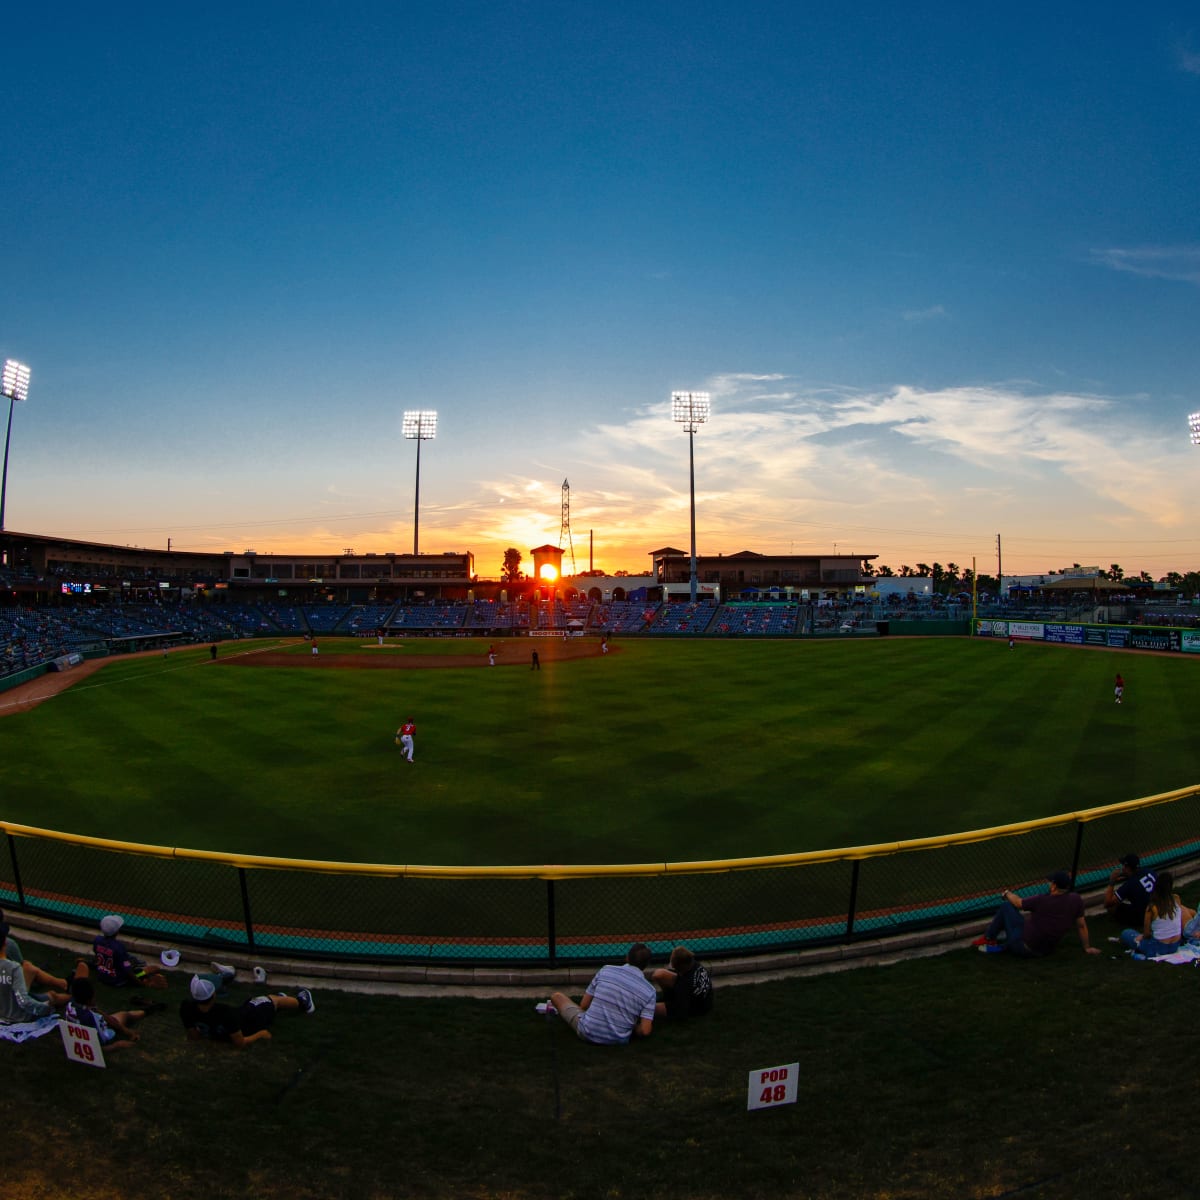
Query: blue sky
[{"x": 939, "y": 267}]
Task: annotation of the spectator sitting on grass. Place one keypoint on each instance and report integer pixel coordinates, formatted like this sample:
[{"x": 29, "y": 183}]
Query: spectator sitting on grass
[
  {"x": 686, "y": 986},
  {"x": 1162, "y": 927},
  {"x": 115, "y": 965},
  {"x": 207, "y": 1020},
  {"x": 1033, "y": 926},
  {"x": 16, "y": 1004},
  {"x": 617, "y": 1005},
  {"x": 37, "y": 981},
  {"x": 1129, "y": 890},
  {"x": 115, "y": 1030},
  {"x": 1191, "y": 926}
]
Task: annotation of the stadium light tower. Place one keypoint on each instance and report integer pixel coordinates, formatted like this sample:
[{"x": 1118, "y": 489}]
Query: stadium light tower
[
  {"x": 15, "y": 386},
  {"x": 1194, "y": 426},
  {"x": 419, "y": 427},
  {"x": 690, "y": 409}
]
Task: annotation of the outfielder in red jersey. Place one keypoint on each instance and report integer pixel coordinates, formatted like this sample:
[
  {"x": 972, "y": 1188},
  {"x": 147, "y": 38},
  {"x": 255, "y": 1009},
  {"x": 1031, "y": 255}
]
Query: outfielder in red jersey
[{"x": 404, "y": 735}]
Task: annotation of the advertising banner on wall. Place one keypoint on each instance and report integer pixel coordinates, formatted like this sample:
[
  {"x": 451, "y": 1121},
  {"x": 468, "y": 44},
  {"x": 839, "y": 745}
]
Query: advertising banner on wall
[
  {"x": 991, "y": 629},
  {"x": 1154, "y": 639},
  {"x": 1071, "y": 635},
  {"x": 1026, "y": 629},
  {"x": 1116, "y": 637}
]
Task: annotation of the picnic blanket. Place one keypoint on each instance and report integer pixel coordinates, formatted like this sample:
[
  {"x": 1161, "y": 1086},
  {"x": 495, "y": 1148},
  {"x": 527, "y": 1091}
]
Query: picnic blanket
[
  {"x": 1187, "y": 955},
  {"x": 24, "y": 1031}
]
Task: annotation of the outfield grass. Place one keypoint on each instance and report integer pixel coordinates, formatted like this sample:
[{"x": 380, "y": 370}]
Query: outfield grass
[
  {"x": 663, "y": 751},
  {"x": 948, "y": 1079}
]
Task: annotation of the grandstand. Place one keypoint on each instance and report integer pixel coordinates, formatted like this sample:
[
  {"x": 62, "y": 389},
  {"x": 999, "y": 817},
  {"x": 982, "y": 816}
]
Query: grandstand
[{"x": 59, "y": 596}]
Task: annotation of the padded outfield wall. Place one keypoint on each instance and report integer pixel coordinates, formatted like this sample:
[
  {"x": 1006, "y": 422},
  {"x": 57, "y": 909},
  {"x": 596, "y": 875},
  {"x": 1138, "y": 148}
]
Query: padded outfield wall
[
  {"x": 1112, "y": 637},
  {"x": 551, "y": 916}
]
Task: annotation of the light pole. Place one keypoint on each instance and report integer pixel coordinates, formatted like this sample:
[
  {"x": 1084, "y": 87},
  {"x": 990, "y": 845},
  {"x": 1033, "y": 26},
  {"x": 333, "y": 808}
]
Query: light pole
[
  {"x": 15, "y": 386},
  {"x": 690, "y": 409},
  {"x": 1194, "y": 426},
  {"x": 419, "y": 427}
]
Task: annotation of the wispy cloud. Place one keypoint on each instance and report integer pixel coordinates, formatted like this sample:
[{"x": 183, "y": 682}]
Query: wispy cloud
[
  {"x": 1189, "y": 61},
  {"x": 924, "y": 314},
  {"x": 965, "y": 457},
  {"x": 1156, "y": 262},
  {"x": 909, "y": 473}
]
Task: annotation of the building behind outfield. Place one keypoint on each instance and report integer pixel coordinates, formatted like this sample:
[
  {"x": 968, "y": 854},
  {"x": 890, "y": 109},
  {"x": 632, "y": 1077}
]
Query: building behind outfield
[
  {"x": 40, "y": 570},
  {"x": 45, "y": 570},
  {"x": 791, "y": 576}
]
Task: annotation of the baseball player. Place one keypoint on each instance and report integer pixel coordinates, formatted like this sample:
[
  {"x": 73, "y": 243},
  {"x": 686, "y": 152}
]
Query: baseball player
[
  {"x": 1119, "y": 689},
  {"x": 404, "y": 736}
]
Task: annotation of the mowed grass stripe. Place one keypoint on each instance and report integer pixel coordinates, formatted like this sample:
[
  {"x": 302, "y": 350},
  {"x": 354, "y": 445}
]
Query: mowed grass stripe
[{"x": 663, "y": 751}]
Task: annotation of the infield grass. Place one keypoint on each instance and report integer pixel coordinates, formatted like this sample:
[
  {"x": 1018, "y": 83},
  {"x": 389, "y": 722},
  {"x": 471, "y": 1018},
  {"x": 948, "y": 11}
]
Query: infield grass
[{"x": 660, "y": 751}]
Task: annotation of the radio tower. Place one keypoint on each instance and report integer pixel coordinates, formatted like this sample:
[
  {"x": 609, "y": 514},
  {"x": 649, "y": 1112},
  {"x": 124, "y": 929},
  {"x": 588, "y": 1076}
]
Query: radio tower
[{"x": 564, "y": 530}]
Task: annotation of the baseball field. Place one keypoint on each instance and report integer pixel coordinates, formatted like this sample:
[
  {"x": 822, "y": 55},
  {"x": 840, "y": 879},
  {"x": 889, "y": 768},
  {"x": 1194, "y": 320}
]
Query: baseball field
[
  {"x": 961, "y": 1076},
  {"x": 658, "y": 751}
]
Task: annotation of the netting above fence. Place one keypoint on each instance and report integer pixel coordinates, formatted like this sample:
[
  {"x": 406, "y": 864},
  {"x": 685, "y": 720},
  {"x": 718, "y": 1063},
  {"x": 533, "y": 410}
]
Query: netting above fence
[{"x": 549, "y": 915}]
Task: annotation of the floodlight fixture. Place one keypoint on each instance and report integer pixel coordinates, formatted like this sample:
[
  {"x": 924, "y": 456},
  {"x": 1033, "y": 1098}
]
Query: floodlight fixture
[
  {"x": 16, "y": 380},
  {"x": 14, "y": 383},
  {"x": 690, "y": 409},
  {"x": 420, "y": 425},
  {"x": 1194, "y": 427}
]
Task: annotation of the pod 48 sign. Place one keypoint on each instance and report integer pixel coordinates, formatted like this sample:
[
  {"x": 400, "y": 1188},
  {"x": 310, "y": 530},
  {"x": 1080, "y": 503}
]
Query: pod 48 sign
[{"x": 771, "y": 1087}]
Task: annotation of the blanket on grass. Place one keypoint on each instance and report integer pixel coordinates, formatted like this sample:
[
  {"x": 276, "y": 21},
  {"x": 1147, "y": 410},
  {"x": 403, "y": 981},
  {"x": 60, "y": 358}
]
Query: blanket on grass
[{"x": 23, "y": 1031}]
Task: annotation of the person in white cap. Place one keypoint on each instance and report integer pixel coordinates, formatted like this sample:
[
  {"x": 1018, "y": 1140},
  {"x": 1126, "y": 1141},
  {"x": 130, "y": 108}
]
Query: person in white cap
[
  {"x": 205, "y": 1018},
  {"x": 115, "y": 965}
]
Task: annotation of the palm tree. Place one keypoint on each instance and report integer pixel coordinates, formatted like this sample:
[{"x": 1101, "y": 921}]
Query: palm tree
[{"x": 511, "y": 571}]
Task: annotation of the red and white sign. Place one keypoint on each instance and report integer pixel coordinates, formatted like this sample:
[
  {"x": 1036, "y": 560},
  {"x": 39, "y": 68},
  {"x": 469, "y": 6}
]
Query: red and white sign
[
  {"x": 82, "y": 1044},
  {"x": 772, "y": 1087}
]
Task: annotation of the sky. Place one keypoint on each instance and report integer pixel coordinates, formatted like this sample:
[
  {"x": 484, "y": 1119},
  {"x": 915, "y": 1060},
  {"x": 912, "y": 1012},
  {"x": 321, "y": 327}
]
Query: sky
[{"x": 938, "y": 266}]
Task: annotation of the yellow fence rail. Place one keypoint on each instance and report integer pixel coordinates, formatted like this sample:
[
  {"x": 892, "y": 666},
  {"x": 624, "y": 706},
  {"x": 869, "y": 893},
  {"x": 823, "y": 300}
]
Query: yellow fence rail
[{"x": 548, "y": 912}]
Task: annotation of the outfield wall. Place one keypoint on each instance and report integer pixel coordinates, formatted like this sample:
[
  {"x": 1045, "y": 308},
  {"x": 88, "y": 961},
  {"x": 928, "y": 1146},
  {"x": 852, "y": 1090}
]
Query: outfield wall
[
  {"x": 529, "y": 915},
  {"x": 1113, "y": 637}
]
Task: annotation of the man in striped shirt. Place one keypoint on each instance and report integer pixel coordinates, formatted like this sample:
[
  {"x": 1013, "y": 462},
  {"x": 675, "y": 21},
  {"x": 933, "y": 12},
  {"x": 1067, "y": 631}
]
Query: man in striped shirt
[{"x": 617, "y": 1005}]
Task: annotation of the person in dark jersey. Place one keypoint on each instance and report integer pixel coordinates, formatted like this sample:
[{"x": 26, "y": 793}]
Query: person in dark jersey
[
  {"x": 115, "y": 965},
  {"x": 207, "y": 1019},
  {"x": 686, "y": 987},
  {"x": 1130, "y": 887},
  {"x": 115, "y": 1030}
]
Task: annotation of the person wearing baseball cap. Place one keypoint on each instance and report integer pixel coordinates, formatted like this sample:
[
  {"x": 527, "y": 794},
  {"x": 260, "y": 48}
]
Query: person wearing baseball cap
[
  {"x": 205, "y": 1018},
  {"x": 1130, "y": 887},
  {"x": 115, "y": 965},
  {"x": 1032, "y": 926}
]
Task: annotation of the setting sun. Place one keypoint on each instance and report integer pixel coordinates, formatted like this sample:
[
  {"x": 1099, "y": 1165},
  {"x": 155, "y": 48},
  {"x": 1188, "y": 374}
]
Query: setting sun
[{"x": 548, "y": 572}]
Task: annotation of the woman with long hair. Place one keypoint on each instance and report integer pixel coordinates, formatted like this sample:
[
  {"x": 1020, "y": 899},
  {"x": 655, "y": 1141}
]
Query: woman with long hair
[{"x": 1163, "y": 929}]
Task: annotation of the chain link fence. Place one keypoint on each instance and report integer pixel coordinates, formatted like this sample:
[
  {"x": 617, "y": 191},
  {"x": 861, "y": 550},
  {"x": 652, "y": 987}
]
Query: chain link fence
[{"x": 522, "y": 916}]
